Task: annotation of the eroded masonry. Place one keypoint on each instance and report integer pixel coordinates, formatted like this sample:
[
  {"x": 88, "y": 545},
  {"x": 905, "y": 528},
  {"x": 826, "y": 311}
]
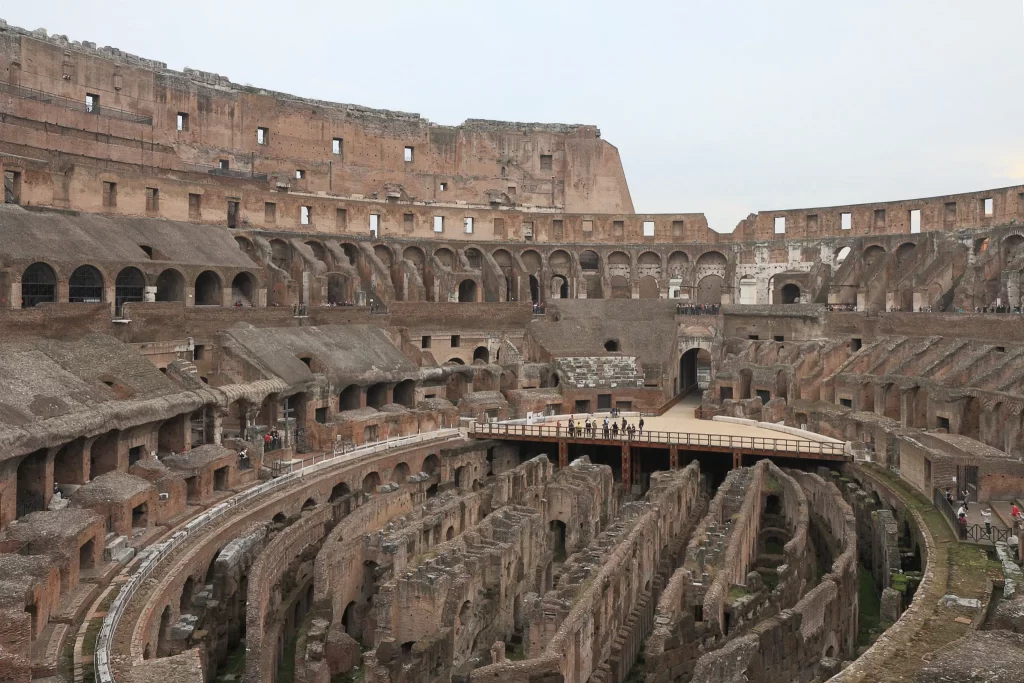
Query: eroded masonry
[{"x": 299, "y": 390}]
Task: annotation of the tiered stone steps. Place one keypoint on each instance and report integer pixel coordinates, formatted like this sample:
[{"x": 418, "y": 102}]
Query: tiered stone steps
[{"x": 589, "y": 372}]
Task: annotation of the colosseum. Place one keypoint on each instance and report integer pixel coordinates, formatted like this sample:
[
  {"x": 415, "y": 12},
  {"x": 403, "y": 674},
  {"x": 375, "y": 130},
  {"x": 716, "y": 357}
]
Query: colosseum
[{"x": 293, "y": 390}]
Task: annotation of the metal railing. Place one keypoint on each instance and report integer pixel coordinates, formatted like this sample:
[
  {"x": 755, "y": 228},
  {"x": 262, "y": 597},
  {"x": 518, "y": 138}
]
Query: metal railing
[
  {"x": 686, "y": 439},
  {"x": 158, "y": 552},
  {"x": 60, "y": 101},
  {"x": 968, "y": 532}
]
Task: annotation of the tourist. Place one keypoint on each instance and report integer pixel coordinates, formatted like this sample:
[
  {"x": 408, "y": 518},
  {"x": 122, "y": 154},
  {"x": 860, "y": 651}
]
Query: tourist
[
  {"x": 964, "y": 497},
  {"x": 949, "y": 497},
  {"x": 572, "y": 427},
  {"x": 986, "y": 516},
  {"x": 641, "y": 425},
  {"x": 624, "y": 423},
  {"x": 243, "y": 458},
  {"x": 558, "y": 428},
  {"x": 615, "y": 430},
  {"x": 268, "y": 442},
  {"x": 1015, "y": 514},
  {"x": 605, "y": 428},
  {"x": 963, "y": 527}
]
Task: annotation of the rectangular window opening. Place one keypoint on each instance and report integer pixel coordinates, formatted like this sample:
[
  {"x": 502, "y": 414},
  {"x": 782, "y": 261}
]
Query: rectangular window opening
[
  {"x": 780, "y": 225},
  {"x": 409, "y": 221},
  {"x": 456, "y": 341},
  {"x": 305, "y": 215},
  {"x": 152, "y": 199},
  {"x": 262, "y": 136},
  {"x": 949, "y": 213},
  {"x": 182, "y": 121},
  {"x": 779, "y": 338},
  {"x": 846, "y": 220},
  {"x": 943, "y": 422},
  {"x": 545, "y": 162},
  {"x": 337, "y": 146},
  {"x": 915, "y": 221},
  {"x": 677, "y": 228},
  {"x": 374, "y": 224},
  {"x": 425, "y": 342},
  {"x": 109, "y": 194},
  {"x": 269, "y": 212},
  {"x": 341, "y": 218},
  {"x": 299, "y": 174},
  {"x": 232, "y": 213},
  {"x": 12, "y": 187},
  {"x": 753, "y": 337},
  {"x": 408, "y": 154},
  {"x": 879, "y": 218},
  {"x": 92, "y": 103},
  {"x": 856, "y": 343},
  {"x": 467, "y": 224},
  {"x": 224, "y": 164},
  {"x": 557, "y": 230},
  {"x": 195, "y": 206},
  {"x": 438, "y": 223},
  {"x": 528, "y": 231},
  {"x": 443, "y": 187},
  {"x": 846, "y": 402},
  {"x": 988, "y": 207},
  {"x": 648, "y": 228}
]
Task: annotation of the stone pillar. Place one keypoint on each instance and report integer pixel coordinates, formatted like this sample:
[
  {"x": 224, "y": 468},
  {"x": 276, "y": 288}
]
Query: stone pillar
[
  {"x": 563, "y": 453},
  {"x": 673, "y": 457},
  {"x": 737, "y": 460}
]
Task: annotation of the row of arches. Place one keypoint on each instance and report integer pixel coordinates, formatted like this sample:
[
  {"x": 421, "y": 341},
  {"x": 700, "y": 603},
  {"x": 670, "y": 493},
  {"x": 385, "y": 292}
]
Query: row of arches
[{"x": 39, "y": 285}]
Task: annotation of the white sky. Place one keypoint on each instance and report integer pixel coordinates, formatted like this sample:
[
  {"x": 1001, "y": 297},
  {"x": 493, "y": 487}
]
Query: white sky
[{"x": 718, "y": 106}]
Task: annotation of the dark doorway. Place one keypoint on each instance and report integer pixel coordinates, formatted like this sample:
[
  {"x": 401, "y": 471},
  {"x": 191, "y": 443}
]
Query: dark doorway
[{"x": 688, "y": 372}]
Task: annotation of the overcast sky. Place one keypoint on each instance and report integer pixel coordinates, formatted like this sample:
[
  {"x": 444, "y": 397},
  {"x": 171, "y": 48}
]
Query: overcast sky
[{"x": 718, "y": 106}]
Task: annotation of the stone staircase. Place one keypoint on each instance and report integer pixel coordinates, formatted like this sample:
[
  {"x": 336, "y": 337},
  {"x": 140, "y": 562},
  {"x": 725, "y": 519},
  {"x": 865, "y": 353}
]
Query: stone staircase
[
  {"x": 589, "y": 372},
  {"x": 117, "y": 549}
]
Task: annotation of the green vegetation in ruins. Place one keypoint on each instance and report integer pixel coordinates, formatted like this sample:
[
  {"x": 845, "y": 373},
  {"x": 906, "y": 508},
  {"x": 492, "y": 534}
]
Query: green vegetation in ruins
[
  {"x": 772, "y": 485},
  {"x": 869, "y": 625},
  {"x": 233, "y": 668},
  {"x": 737, "y": 592}
]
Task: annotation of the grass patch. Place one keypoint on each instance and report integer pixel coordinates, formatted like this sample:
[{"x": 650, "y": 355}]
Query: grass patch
[
  {"x": 870, "y": 604},
  {"x": 737, "y": 592},
  {"x": 234, "y": 667}
]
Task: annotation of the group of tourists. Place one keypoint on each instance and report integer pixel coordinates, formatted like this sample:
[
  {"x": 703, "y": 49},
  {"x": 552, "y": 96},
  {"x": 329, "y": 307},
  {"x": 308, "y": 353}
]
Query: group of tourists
[
  {"x": 610, "y": 428},
  {"x": 697, "y": 309},
  {"x": 842, "y": 308},
  {"x": 271, "y": 440}
]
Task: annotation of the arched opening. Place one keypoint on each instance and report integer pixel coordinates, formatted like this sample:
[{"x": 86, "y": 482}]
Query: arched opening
[
  {"x": 185, "y": 602},
  {"x": 709, "y": 289},
  {"x": 556, "y": 536},
  {"x": 280, "y": 254},
  {"x": 612, "y": 346},
  {"x": 446, "y": 257},
  {"x": 872, "y": 253},
  {"x": 383, "y": 253},
  {"x": 162, "y": 647},
  {"x": 867, "y": 397},
  {"x": 688, "y": 372},
  {"x": 308, "y": 505},
  {"x": 559, "y": 287},
  {"x": 31, "y": 494},
  {"x": 349, "y": 397},
  {"x": 279, "y": 518},
  {"x": 649, "y": 287},
  {"x": 405, "y": 393},
  {"x": 534, "y": 289},
  {"x": 620, "y": 287},
  {"x": 339, "y": 491},
  {"x": 462, "y": 477},
  {"x": 454, "y": 361},
  {"x": 431, "y": 464},
  {"x": 243, "y": 290},
  {"x": 772, "y": 505},
  {"x": 370, "y": 482},
  {"x": 904, "y": 251},
  {"x": 377, "y": 395},
  {"x": 85, "y": 285},
  {"x": 781, "y": 385},
  {"x": 128, "y": 287},
  {"x": 712, "y": 258},
  {"x": 400, "y": 473},
  {"x": 842, "y": 254},
  {"x": 970, "y": 425},
  {"x": 790, "y": 294},
  {"x": 170, "y": 286},
  {"x": 38, "y": 285},
  {"x": 474, "y": 258},
  {"x": 467, "y": 291},
  {"x": 208, "y": 290},
  {"x": 590, "y": 261},
  {"x": 892, "y": 401},
  {"x": 481, "y": 354},
  {"x": 746, "y": 379},
  {"x": 318, "y": 251},
  {"x": 350, "y": 621}
]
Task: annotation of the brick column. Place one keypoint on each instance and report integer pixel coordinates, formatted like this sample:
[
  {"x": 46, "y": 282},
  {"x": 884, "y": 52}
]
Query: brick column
[
  {"x": 673, "y": 457},
  {"x": 627, "y": 468},
  {"x": 563, "y": 453}
]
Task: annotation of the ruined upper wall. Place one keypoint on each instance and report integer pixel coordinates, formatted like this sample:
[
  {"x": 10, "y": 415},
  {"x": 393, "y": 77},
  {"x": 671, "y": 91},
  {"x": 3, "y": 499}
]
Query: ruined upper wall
[{"x": 565, "y": 166}]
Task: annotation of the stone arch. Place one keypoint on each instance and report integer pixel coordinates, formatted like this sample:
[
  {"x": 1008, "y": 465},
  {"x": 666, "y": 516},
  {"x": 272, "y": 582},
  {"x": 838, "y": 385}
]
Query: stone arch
[
  {"x": 340, "y": 490},
  {"x": 872, "y": 253},
  {"x": 431, "y": 464},
  {"x": 405, "y": 393},
  {"x": 781, "y": 385},
  {"x": 38, "y": 285},
  {"x": 790, "y": 293},
  {"x": 280, "y": 254},
  {"x": 746, "y": 380},
  {"x": 243, "y": 289},
  {"x": 534, "y": 289},
  {"x": 867, "y": 397},
  {"x": 309, "y": 504},
  {"x": 688, "y": 371},
  {"x": 891, "y": 405},
  {"x": 612, "y": 346},
  {"x": 620, "y": 287},
  {"x": 319, "y": 252},
  {"x": 712, "y": 258},
  {"x": 446, "y": 257},
  {"x": 589, "y": 260},
  {"x": 649, "y": 287},
  {"x": 208, "y": 289},
  {"x": 450, "y": 533},
  {"x": 649, "y": 263},
  {"x": 467, "y": 291},
  {"x": 400, "y": 473},
  {"x": 560, "y": 262},
  {"x": 349, "y": 398},
  {"x": 415, "y": 256},
  {"x": 377, "y": 395},
  {"x": 170, "y": 286},
  {"x": 559, "y": 287},
  {"x": 677, "y": 263},
  {"x": 383, "y": 253},
  {"x": 709, "y": 289},
  {"x": 841, "y": 254},
  {"x": 481, "y": 353},
  {"x": 370, "y": 482},
  {"x": 85, "y": 285},
  {"x": 474, "y": 258},
  {"x": 531, "y": 260},
  {"x": 1012, "y": 246},
  {"x": 129, "y": 286},
  {"x": 351, "y": 252}
]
